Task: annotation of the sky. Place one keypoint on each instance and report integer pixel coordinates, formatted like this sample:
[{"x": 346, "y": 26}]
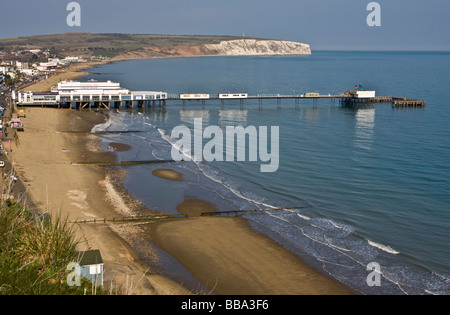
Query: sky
[{"x": 324, "y": 24}]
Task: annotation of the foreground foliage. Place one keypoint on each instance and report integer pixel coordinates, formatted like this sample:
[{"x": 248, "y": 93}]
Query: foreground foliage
[{"x": 34, "y": 254}]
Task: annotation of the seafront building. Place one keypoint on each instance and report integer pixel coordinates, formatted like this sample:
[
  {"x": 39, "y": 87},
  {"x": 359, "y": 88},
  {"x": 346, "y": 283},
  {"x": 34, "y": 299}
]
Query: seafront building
[{"x": 99, "y": 94}]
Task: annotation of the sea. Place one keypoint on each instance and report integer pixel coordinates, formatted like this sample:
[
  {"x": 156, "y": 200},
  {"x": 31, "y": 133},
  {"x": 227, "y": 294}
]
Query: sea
[{"x": 366, "y": 189}]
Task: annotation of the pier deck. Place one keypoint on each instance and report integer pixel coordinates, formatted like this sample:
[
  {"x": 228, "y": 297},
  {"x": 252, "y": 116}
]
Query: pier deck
[{"x": 344, "y": 99}]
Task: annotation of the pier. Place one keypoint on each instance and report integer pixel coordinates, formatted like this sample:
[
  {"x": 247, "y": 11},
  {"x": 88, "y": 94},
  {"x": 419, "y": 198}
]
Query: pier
[
  {"x": 344, "y": 99},
  {"x": 109, "y": 95},
  {"x": 397, "y": 102}
]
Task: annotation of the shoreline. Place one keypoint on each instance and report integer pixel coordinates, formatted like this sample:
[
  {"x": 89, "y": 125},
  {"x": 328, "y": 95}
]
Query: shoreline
[{"x": 223, "y": 254}]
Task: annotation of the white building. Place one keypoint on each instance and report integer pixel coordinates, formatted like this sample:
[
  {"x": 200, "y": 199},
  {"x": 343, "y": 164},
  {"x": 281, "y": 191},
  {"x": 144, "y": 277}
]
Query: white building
[
  {"x": 35, "y": 97},
  {"x": 5, "y": 68},
  {"x": 71, "y": 59},
  {"x": 91, "y": 266},
  {"x": 364, "y": 94},
  {"x": 21, "y": 65},
  {"x": 34, "y": 51},
  {"x": 29, "y": 72},
  {"x": 86, "y": 92}
]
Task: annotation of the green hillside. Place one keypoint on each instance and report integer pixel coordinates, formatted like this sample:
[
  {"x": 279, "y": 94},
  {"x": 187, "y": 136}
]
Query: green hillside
[{"x": 87, "y": 44}]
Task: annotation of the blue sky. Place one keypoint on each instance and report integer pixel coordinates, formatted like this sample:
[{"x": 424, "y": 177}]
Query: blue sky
[{"x": 324, "y": 24}]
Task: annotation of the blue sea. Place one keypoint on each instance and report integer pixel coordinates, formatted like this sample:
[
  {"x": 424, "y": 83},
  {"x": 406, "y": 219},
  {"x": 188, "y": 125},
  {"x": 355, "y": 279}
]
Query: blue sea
[{"x": 367, "y": 184}]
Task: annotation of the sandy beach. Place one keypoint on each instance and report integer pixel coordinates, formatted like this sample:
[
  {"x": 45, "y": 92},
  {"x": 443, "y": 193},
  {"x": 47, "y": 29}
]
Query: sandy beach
[{"x": 225, "y": 254}]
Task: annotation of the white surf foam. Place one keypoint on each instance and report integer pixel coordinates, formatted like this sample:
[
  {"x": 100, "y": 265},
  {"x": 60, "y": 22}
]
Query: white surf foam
[
  {"x": 304, "y": 217},
  {"x": 103, "y": 126},
  {"x": 385, "y": 248}
]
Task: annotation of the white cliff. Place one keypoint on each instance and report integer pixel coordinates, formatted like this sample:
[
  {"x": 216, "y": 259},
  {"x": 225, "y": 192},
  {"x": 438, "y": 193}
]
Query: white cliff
[{"x": 252, "y": 47}]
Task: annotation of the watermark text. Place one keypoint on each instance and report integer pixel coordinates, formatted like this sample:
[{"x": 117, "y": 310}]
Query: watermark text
[{"x": 229, "y": 147}]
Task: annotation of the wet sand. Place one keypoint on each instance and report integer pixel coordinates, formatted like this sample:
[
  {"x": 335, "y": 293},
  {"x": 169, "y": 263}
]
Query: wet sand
[
  {"x": 119, "y": 147},
  {"x": 195, "y": 207},
  {"x": 168, "y": 174},
  {"x": 230, "y": 258}
]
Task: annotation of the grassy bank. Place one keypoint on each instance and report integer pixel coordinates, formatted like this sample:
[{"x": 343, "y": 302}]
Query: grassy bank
[{"x": 34, "y": 254}]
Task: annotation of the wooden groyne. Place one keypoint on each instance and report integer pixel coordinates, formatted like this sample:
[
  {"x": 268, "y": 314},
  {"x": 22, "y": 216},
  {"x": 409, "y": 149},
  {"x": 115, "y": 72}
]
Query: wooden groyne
[
  {"x": 163, "y": 217},
  {"x": 123, "y": 163},
  {"x": 236, "y": 213},
  {"x": 143, "y": 218}
]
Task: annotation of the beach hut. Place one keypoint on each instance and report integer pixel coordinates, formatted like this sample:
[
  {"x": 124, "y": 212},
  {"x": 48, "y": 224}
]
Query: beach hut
[{"x": 91, "y": 266}]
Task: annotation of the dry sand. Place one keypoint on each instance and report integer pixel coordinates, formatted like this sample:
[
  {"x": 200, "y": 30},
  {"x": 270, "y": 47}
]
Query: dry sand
[{"x": 225, "y": 254}]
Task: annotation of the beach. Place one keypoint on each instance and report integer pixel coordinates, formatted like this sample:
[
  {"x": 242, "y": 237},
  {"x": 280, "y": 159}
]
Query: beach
[{"x": 224, "y": 254}]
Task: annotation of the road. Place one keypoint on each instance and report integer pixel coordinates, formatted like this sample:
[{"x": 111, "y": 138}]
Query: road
[{"x": 18, "y": 188}]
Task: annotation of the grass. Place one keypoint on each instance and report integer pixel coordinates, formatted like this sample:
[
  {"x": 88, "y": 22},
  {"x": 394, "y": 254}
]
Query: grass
[
  {"x": 34, "y": 254},
  {"x": 104, "y": 53}
]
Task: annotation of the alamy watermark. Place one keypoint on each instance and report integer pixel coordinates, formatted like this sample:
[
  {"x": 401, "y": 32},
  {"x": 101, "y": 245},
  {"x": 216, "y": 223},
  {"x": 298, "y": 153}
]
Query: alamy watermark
[
  {"x": 374, "y": 17},
  {"x": 73, "y": 278},
  {"x": 374, "y": 277},
  {"x": 221, "y": 146},
  {"x": 74, "y": 17}
]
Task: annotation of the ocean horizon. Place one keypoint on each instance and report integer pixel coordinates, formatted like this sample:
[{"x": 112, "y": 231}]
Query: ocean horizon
[{"x": 367, "y": 184}]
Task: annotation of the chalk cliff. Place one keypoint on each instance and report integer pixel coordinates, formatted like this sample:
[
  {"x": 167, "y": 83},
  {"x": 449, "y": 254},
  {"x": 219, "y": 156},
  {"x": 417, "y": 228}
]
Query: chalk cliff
[
  {"x": 251, "y": 47},
  {"x": 239, "y": 47}
]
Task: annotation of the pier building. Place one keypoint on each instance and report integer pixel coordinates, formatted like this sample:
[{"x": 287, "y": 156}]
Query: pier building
[{"x": 97, "y": 94}]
